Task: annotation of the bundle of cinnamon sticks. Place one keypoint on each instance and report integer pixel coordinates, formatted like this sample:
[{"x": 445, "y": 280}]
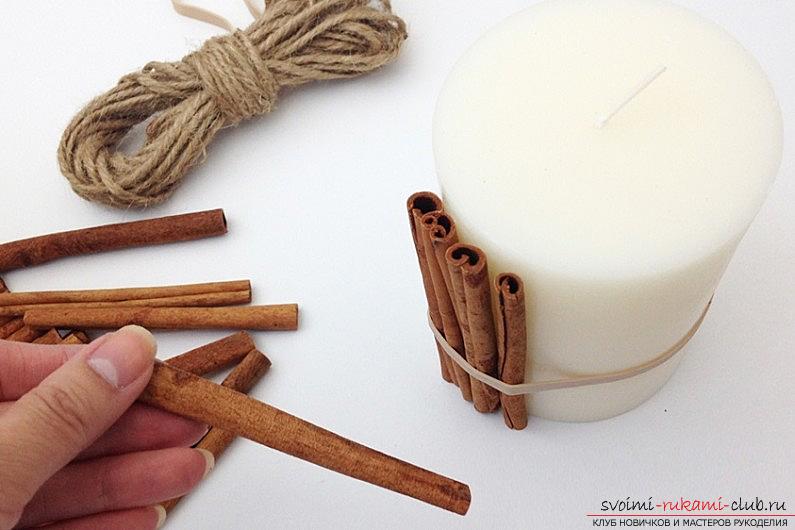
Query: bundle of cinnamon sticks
[
  {"x": 493, "y": 340},
  {"x": 177, "y": 385}
]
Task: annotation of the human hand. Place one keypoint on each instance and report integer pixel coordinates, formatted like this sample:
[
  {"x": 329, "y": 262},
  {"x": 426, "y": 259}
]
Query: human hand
[{"x": 74, "y": 449}]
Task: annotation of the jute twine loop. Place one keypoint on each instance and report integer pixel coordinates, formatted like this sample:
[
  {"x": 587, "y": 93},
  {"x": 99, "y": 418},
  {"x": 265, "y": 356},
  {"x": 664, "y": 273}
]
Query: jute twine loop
[{"x": 231, "y": 78}]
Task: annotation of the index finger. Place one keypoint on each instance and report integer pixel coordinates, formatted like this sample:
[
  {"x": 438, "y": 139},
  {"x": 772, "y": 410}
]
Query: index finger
[{"x": 23, "y": 366}]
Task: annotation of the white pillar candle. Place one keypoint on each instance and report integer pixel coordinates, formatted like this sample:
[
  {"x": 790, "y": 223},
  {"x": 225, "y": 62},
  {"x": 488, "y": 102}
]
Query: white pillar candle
[{"x": 612, "y": 153}]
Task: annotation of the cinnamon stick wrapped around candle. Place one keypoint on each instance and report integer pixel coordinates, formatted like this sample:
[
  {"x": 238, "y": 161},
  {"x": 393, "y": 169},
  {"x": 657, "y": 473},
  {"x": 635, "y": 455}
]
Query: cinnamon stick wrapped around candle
[
  {"x": 438, "y": 234},
  {"x": 175, "y": 228},
  {"x": 204, "y": 294},
  {"x": 512, "y": 345},
  {"x": 201, "y": 400},
  {"x": 272, "y": 317},
  {"x": 418, "y": 205},
  {"x": 216, "y": 355},
  {"x": 242, "y": 379},
  {"x": 468, "y": 266}
]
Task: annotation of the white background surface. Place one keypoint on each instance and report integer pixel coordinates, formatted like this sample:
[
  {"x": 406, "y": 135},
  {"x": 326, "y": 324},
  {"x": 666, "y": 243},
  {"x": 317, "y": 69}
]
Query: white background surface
[{"x": 315, "y": 198}]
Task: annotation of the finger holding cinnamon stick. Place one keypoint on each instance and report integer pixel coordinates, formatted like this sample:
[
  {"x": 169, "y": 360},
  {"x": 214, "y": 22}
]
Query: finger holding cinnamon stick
[
  {"x": 120, "y": 295},
  {"x": 242, "y": 379},
  {"x": 201, "y": 400},
  {"x": 172, "y": 229},
  {"x": 437, "y": 236},
  {"x": 418, "y": 205},
  {"x": 512, "y": 345},
  {"x": 272, "y": 317},
  {"x": 471, "y": 261}
]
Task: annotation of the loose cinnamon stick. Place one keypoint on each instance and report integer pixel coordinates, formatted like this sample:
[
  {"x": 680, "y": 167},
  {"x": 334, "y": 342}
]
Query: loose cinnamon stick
[
  {"x": 77, "y": 337},
  {"x": 201, "y": 400},
  {"x": 51, "y": 337},
  {"x": 120, "y": 295},
  {"x": 272, "y": 317},
  {"x": 418, "y": 205},
  {"x": 216, "y": 355},
  {"x": 241, "y": 379},
  {"x": 10, "y": 327},
  {"x": 3, "y": 289},
  {"x": 471, "y": 261},
  {"x": 42, "y": 249},
  {"x": 25, "y": 334},
  {"x": 512, "y": 345},
  {"x": 437, "y": 238},
  {"x": 192, "y": 300}
]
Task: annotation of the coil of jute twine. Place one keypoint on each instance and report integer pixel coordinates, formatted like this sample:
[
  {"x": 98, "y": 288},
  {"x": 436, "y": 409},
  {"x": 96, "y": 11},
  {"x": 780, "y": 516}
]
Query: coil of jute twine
[{"x": 231, "y": 78}]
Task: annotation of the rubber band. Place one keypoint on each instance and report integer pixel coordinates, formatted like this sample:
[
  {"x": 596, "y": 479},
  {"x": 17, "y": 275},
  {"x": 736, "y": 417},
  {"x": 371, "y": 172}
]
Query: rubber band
[
  {"x": 571, "y": 382},
  {"x": 209, "y": 17}
]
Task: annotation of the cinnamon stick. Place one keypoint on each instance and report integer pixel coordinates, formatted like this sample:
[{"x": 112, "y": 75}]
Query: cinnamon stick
[
  {"x": 25, "y": 334},
  {"x": 272, "y": 317},
  {"x": 3, "y": 289},
  {"x": 216, "y": 355},
  {"x": 437, "y": 236},
  {"x": 418, "y": 205},
  {"x": 241, "y": 379},
  {"x": 512, "y": 345},
  {"x": 77, "y": 337},
  {"x": 120, "y": 295},
  {"x": 175, "y": 228},
  {"x": 51, "y": 337},
  {"x": 10, "y": 327},
  {"x": 471, "y": 262},
  {"x": 222, "y": 299},
  {"x": 201, "y": 400}
]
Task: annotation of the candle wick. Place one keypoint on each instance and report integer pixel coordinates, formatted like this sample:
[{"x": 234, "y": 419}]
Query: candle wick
[{"x": 632, "y": 95}]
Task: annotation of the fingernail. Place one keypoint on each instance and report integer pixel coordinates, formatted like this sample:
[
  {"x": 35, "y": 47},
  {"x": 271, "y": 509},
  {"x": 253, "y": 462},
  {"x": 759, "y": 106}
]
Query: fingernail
[
  {"x": 121, "y": 357},
  {"x": 161, "y": 516},
  {"x": 209, "y": 461}
]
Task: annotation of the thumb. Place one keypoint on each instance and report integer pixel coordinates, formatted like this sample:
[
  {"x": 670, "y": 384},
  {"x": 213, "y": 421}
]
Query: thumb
[{"x": 47, "y": 427}]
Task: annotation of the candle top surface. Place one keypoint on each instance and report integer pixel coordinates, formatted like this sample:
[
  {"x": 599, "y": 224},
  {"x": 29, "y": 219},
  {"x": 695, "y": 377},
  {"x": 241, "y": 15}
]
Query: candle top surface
[{"x": 528, "y": 163}]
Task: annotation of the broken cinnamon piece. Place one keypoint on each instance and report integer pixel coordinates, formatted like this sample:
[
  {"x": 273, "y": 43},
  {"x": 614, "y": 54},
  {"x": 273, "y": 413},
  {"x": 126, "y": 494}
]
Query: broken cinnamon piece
[
  {"x": 512, "y": 345},
  {"x": 77, "y": 337},
  {"x": 10, "y": 327},
  {"x": 51, "y": 337},
  {"x": 25, "y": 334},
  {"x": 216, "y": 355}
]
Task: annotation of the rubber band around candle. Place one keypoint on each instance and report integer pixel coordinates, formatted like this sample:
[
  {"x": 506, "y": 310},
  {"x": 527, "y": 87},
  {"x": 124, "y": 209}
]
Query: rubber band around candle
[{"x": 570, "y": 382}]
